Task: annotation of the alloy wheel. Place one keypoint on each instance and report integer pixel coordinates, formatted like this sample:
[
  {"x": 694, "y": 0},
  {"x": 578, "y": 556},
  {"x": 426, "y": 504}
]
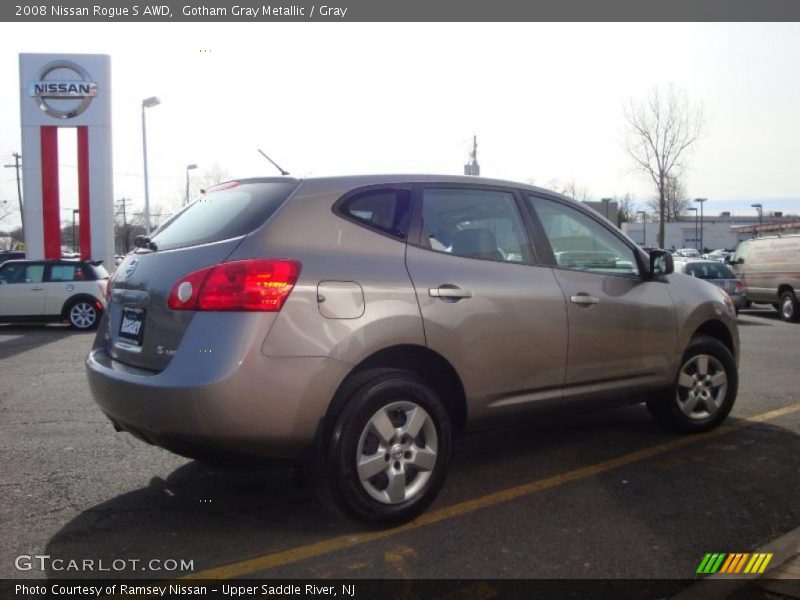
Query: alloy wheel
[
  {"x": 702, "y": 386},
  {"x": 397, "y": 452},
  {"x": 83, "y": 315}
]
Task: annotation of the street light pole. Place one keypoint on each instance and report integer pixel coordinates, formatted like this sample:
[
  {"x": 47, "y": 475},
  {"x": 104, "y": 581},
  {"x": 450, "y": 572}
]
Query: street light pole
[
  {"x": 694, "y": 208},
  {"x": 644, "y": 226},
  {"x": 75, "y": 211},
  {"x": 146, "y": 103},
  {"x": 701, "y": 201},
  {"x": 760, "y": 209},
  {"x": 188, "y": 168}
]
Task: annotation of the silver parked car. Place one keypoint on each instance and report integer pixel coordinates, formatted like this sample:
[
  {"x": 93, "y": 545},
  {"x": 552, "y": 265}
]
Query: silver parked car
[
  {"x": 718, "y": 274},
  {"x": 360, "y": 323}
]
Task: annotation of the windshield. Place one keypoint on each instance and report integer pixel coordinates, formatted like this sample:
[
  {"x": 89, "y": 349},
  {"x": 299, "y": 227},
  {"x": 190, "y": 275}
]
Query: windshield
[{"x": 220, "y": 215}]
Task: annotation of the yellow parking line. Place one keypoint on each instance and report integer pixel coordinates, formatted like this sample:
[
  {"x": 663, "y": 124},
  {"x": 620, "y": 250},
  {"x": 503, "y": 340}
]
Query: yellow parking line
[{"x": 300, "y": 553}]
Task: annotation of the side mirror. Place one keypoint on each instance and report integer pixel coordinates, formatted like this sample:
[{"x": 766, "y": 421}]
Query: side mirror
[{"x": 661, "y": 263}]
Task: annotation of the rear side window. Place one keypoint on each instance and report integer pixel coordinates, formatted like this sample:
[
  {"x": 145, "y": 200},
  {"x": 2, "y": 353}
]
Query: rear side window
[
  {"x": 385, "y": 210},
  {"x": 220, "y": 215},
  {"x": 68, "y": 273},
  {"x": 474, "y": 223}
]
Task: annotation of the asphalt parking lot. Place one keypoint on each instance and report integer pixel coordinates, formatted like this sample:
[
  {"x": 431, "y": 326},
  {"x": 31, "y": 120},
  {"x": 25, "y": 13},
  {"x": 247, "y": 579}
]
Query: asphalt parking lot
[{"x": 599, "y": 495}]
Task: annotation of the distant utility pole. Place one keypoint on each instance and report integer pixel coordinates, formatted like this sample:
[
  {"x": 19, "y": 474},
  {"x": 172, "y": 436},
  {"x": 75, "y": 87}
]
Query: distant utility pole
[
  {"x": 472, "y": 167},
  {"x": 16, "y": 166}
]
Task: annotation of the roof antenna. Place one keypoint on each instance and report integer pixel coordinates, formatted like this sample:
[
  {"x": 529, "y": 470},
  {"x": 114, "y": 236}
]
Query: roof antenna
[{"x": 274, "y": 164}]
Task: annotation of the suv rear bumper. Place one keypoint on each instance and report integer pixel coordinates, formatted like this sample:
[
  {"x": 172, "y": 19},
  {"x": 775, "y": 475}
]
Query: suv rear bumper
[{"x": 269, "y": 409}]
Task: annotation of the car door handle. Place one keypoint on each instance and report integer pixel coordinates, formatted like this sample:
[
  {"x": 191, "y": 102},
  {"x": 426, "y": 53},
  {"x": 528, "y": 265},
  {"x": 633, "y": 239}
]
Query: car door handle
[
  {"x": 37, "y": 289},
  {"x": 454, "y": 292},
  {"x": 584, "y": 299}
]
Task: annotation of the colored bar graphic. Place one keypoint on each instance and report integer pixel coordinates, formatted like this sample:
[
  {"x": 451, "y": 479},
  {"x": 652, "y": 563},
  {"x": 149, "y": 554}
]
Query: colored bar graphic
[{"x": 720, "y": 562}]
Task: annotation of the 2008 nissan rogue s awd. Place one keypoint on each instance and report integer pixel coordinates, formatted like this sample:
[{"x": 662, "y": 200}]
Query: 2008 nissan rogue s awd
[{"x": 365, "y": 321}]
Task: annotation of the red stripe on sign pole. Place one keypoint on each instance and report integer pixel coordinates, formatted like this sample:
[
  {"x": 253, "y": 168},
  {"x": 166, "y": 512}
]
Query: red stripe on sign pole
[
  {"x": 50, "y": 205},
  {"x": 83, "y": 192}
]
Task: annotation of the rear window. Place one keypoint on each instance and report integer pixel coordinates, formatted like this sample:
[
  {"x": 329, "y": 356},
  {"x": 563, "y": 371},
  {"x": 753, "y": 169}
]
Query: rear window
[
  {"x": 100, "y": 272},
  {"x": 709, "y": 271},
  {"x": 224, "y": 214}
]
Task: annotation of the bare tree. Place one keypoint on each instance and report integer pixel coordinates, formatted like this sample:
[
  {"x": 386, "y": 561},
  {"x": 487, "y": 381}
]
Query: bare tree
[
  {"x": 626, "y": 209},
  {"x": 675, "y": 197},
  {"x": 207, "y": 178},
  {"x": 569, "y": 189},
  {"x": 6, "y": 210},
  {"x": 660, "y": 133}
]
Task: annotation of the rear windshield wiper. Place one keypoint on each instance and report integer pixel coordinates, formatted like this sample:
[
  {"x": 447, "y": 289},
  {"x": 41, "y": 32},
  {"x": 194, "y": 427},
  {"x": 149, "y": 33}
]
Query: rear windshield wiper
[{"x": 142, "y": 241}]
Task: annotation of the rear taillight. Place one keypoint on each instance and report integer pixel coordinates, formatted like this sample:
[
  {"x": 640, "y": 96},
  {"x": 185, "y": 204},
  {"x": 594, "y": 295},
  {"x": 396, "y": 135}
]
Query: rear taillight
[
  {"x": 247, "y": 285},
  {"x": 739, "y": 288}
]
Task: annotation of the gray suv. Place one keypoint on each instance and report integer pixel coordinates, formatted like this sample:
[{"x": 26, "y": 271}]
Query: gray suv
[{"x": 360, "y": 323}]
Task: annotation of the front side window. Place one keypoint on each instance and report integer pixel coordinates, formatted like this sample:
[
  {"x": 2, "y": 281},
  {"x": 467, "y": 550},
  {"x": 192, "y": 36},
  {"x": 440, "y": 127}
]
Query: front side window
[
  {"x": 472, "y": 223},
  {"x": 581, "y": 243},
  {"x": 22, "y": 273}
]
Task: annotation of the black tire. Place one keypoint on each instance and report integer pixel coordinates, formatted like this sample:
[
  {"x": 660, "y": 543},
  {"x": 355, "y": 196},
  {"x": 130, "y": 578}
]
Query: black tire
[
  {"x": 83, "y": 315},
  {"x": 355, "y": 435},
  {"x": 671, "y": 408},
  {"x": 788, "y": 308}
]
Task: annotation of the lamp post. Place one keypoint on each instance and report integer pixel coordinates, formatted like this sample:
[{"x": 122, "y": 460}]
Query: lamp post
[
  {"x": 75, "y": 211},
  {"x": 644, "y": 226},
  {"x": 146, "y": 103},
  {"x": 760, "y": 210},
  {"x": 188, "y": 168},
  {"x": 701, "y": 201},
  {"x": 694, "y": 208}
]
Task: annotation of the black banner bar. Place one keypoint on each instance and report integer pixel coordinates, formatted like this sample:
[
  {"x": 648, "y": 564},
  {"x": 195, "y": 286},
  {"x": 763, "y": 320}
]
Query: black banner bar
[
  {"x": 358, "y": 589},
  {"x": 398, "y": 10}
]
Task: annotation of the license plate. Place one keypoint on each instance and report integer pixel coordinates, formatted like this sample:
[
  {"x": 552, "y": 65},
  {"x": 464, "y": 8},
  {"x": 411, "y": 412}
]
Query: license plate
[{"x": 131, "y": 329}]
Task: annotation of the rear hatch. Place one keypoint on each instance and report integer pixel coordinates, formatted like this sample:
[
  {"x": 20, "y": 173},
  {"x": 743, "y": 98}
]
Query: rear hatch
[{"x": 142, "y": 330}]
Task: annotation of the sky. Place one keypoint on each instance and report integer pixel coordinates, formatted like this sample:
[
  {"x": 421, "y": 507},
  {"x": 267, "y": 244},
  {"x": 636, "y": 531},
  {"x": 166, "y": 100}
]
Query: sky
[{"x": 545, "y": 100}]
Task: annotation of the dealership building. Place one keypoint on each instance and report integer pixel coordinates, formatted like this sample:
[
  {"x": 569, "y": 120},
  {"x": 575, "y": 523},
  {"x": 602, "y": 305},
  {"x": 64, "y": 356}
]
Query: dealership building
[{"x": 723, "y": 231}]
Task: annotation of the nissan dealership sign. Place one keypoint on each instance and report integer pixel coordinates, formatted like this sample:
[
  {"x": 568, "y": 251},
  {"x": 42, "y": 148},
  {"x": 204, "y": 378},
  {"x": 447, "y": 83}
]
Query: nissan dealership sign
[
  {"x": 64, "y": 89},
  {"x": 67, "y": 91}
]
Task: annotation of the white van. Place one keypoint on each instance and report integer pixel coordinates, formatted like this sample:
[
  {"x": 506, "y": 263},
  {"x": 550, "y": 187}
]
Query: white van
[{"x": 769, "y": 267}]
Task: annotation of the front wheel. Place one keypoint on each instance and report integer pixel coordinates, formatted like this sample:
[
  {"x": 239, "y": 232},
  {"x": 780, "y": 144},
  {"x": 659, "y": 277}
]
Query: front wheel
[
  {"x": 390, "y": 449},
  {"x": 704, "y": 390},
  {"x": 83, "y": 315},
  {"x": 787, "y": 307}
]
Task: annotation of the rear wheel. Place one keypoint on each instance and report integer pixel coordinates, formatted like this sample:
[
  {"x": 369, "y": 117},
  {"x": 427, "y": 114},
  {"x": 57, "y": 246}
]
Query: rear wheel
[
  {"x": 83, "y": 315},
  {"x": 390, "y": 449},
  {"x": 704, "y": 390},
  {"x": 787, "y": 307}
]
